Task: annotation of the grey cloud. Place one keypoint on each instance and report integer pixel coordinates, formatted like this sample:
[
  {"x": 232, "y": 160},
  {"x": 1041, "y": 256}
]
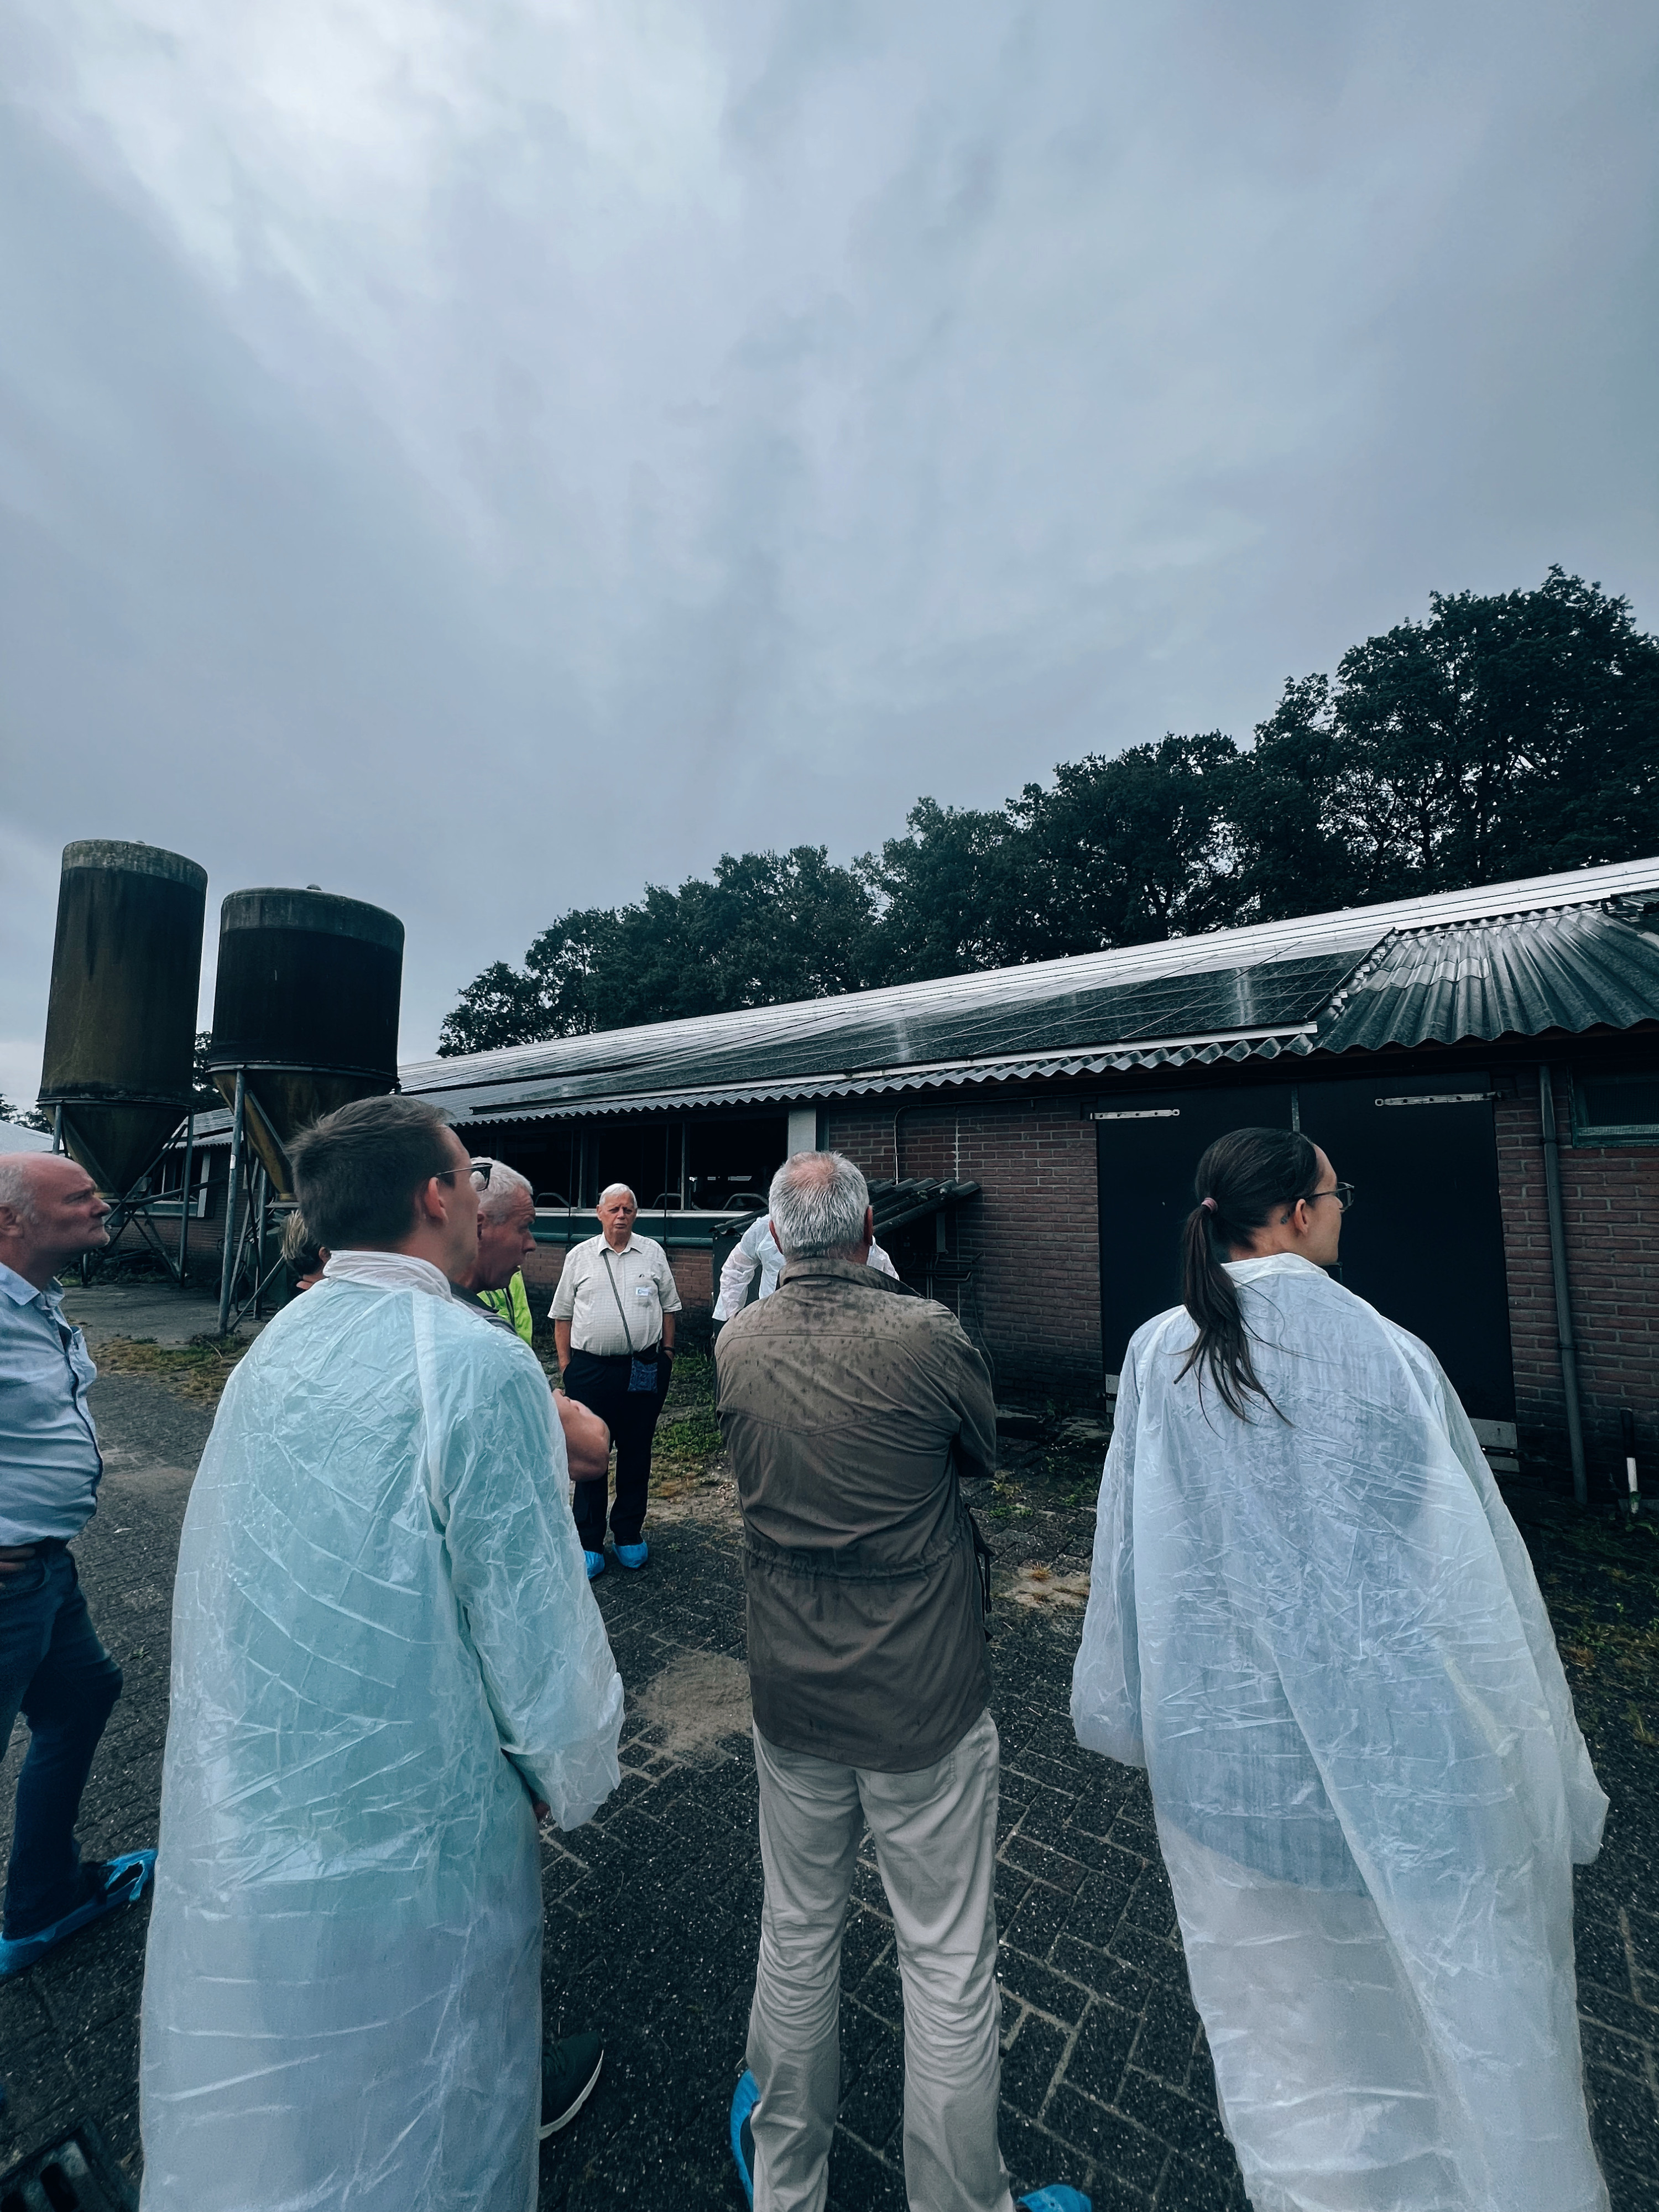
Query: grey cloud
[{"x": 481, "y": 461}]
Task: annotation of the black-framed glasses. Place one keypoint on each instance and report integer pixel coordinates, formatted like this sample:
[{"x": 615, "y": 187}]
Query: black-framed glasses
[
  {"x": 1343, "y": 1193},
  {"x": 479, "y": 1168}
]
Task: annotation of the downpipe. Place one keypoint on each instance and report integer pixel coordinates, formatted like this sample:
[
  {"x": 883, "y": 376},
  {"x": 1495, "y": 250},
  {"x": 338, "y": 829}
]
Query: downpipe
[{"x": 1563, "y": 1335}]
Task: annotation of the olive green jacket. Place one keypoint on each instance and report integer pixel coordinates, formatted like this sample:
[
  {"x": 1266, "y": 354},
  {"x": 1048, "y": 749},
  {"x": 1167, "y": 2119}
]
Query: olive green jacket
[{"x": 849, "y": 1407}]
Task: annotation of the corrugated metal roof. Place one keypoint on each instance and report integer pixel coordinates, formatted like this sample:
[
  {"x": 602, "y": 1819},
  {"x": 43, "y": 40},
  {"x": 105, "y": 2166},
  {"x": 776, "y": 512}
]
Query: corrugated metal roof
[
  {"x": 1572, "y": 969},
  {"x": 1235, "y": 994}
]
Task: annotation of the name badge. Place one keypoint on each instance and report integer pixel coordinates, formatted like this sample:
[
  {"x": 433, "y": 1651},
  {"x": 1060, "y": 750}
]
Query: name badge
[{"x": 645, "y": 1290}]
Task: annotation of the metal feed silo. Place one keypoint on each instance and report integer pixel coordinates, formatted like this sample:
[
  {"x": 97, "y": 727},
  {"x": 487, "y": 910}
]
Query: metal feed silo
[
  {"x": 304, "y": 1010},
  {"x": 126, "y": 967}
]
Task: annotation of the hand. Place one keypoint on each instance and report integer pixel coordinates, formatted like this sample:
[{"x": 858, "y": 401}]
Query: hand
[{"x": 14, "y": 1557}]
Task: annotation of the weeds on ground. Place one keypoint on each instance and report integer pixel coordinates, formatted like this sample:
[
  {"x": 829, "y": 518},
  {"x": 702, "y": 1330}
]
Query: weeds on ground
[
  {"x": 1601, "y": 1582},
  {"x": 198, "y": 1370}
]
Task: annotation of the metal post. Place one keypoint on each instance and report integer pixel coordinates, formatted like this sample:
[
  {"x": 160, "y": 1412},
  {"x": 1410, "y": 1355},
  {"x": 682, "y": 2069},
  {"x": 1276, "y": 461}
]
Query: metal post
[
  {"x": 228, "y": 1259},
  {"x": 1563, "y": 1293},
  {"x": 184, "y": 1201},
  {"x": 260, "y": 1224},
  {"x": 58, "y": 1126}
]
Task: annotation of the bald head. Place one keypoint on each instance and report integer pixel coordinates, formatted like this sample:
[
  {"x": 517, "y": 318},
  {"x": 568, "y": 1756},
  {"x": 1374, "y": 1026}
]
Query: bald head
[{"x": 50, "y": 1214}]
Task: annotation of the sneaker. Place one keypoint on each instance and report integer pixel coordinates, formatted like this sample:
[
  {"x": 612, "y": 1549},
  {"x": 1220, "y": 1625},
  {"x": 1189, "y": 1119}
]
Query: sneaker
[
  {"x": 595, "y": 1564},
  {"x": 118, "y": 1882},
  {"x": 744, "y": 2098},
  {"x": 1057, "y": 2196},
  {"x": 569, "y": 2069},
  {"x": 633, "y": 1556}
]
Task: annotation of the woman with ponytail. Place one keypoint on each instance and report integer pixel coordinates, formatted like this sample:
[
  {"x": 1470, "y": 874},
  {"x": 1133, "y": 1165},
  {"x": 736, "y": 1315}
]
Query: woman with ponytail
[{"x": 1313, "y": 1622}]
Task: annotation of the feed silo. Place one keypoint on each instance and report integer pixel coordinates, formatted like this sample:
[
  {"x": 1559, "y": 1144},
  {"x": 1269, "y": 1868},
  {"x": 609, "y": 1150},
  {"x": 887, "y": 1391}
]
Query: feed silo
[
  {"x": 126, "y": 966},
  {"x": 304, "y": 1010}
]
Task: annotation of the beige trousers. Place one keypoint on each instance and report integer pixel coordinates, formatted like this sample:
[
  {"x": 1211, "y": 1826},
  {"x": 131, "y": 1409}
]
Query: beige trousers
[{"x": 935, "y": 1840}]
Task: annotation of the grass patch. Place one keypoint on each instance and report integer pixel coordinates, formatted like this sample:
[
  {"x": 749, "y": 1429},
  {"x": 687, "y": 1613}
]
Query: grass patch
[{"x": 198, "y": 1370}]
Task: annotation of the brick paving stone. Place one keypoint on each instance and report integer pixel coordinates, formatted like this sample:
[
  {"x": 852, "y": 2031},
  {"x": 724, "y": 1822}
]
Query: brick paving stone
[{"x": 652, "y": 1923}]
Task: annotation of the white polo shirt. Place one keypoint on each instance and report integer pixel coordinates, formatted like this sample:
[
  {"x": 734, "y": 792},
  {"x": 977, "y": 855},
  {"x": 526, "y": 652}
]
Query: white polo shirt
[{"x": 643, "y": 1289}]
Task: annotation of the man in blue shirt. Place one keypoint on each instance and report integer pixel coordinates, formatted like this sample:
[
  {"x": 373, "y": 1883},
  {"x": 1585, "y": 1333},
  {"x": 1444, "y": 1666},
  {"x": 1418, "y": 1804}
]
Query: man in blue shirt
[{"x": 53, "y": 1669}]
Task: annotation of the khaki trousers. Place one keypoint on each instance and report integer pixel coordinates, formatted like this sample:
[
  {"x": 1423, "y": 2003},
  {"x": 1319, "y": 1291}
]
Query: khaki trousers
[{"x": 935, "y": 1840}]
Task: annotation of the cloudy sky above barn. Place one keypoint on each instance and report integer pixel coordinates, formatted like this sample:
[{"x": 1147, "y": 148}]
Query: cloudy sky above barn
[{"x": 482, "y": 455}]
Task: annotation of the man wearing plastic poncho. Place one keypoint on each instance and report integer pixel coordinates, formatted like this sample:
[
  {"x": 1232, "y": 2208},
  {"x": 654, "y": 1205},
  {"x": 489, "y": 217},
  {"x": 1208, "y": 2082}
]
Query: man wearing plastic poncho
[
  {"x": 384, "y": 1648},
  {"x": 1313, "y": 1622}
]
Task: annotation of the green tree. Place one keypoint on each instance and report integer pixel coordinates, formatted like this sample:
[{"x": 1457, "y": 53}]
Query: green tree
[
  {"x": 770, "y": 927},
  {"x": 24, "y": 1118},
  {"x": 1126, "y": 850},
  {"x": 950, "y": 891},
  {"x": 1512, "y": 734}
]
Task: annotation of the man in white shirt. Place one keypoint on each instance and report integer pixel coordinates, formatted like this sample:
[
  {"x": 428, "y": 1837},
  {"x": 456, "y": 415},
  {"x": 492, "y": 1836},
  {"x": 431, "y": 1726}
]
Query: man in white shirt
[
  {"x": 53, "y": 1669},
  {"x": 758, "y": 1247},
  {"x": 613, "y": 1322}
]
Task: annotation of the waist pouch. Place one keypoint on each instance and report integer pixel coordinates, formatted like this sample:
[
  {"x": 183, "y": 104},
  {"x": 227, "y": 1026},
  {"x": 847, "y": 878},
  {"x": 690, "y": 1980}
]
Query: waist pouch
[{"x": 642, "y": 1374}]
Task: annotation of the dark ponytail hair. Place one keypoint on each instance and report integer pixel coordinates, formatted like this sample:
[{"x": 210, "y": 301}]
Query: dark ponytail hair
[{"x": 1242, "y": 1178}]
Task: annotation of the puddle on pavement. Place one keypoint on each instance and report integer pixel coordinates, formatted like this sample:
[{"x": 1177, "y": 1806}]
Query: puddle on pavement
[{"x": 698, "y": 1699}]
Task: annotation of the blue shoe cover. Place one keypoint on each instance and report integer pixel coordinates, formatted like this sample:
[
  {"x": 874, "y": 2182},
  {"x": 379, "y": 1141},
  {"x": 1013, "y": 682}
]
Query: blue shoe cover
[
  {"x": 595, "y": 1564},
  {"x": 128, "y": 1878},
  {"x": 633, "y": 1555},
  {"x": 744, "y": 2098},
  {"x": 1057, "y": 2196}
]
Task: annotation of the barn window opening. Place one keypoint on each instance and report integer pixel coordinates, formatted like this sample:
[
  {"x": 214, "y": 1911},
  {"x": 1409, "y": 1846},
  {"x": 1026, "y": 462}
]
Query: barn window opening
[{"x": 1616, "y": 1110}]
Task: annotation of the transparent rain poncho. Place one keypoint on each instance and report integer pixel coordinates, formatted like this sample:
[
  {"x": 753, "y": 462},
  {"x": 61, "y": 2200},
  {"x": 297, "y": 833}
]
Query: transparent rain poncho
[
  {"x": 1322, "y": 1638},
  {"x": 380, "y": 1593}
]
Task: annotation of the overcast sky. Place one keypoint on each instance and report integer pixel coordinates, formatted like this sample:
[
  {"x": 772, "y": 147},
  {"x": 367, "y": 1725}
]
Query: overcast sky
[{"x": 481, "y": 455}]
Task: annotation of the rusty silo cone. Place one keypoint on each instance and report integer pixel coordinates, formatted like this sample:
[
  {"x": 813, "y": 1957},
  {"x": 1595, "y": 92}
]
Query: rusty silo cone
[
  {"x": 121, "y": 1022},
  {"x": 305, "y": 1010}
]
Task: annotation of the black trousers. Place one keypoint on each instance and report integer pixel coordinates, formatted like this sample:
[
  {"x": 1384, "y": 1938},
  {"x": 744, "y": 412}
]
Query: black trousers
[{"x": 600, "y": 1381}]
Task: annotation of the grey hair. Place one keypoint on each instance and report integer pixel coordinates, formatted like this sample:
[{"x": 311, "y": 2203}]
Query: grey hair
[
  {"x": 817, "y": 1203},
  {"x": 505, "y": 1185},
  {"x": 17, "y": 1184},
  {"x": 610, "y": 1190}
]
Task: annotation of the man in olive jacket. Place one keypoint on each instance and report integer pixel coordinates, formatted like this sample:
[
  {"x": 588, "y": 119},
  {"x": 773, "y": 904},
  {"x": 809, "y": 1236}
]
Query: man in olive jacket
[{"x": 851, "y": 1409}]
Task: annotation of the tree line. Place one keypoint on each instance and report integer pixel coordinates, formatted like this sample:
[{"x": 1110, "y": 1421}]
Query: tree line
[{"x": 1510, "y": 734}]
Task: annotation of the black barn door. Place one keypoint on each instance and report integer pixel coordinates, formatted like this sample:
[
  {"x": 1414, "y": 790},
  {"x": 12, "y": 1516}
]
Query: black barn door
[
  {"x": 1147, "y": 1147},
  {"x": 1424, "y": 1242}
]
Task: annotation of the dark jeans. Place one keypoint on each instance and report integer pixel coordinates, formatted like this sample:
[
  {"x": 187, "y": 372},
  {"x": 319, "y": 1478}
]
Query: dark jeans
[
  {"x": 55, "y": 1672},
  {"x": 600, "y": 1383}
]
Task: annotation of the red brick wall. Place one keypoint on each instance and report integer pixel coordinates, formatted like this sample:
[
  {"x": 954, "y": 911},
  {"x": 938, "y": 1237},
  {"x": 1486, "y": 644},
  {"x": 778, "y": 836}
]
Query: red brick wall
[
  {"x": 1034, "y": 1230},
  {"x": 1610, "y": 1203}
]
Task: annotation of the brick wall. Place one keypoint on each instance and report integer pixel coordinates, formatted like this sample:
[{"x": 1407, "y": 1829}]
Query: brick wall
[
  {"x": 1034, "y": 1230},
  {"x": 1610, "y": 1203}
]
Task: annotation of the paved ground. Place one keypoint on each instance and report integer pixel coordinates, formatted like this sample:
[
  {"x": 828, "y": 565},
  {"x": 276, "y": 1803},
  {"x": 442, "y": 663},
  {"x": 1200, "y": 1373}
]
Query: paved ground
[
  {"x": 142, "y": 1306},
  {"x": 652, "y": 1912}
]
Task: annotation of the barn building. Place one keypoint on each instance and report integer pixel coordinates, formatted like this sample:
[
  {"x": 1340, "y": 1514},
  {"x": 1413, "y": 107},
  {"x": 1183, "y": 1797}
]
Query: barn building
[{"x": 1483, "y": 1064}]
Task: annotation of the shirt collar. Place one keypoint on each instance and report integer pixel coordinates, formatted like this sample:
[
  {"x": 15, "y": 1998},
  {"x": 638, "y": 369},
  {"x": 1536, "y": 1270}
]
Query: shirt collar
[
  {"x": 1271, "y": 1263},
  {"x": 21, "y": 1291}
]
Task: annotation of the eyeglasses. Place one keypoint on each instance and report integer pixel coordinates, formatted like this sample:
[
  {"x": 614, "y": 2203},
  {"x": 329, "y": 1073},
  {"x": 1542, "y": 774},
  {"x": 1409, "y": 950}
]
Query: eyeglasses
[
  {"x": 479, "y": 1168},
  {"x": 1343, "y": 1193}
]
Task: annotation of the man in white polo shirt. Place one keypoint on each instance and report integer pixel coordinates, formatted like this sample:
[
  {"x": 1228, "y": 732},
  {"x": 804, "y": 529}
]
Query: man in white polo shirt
[
  {"x": 613, "y": 1323},
  {"x": 53, "y": 1669}
]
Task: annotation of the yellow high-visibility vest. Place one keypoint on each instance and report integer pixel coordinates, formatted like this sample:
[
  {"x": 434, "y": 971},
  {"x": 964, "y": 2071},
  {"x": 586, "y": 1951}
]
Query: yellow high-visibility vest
[{"x": 513, "y": 1304}]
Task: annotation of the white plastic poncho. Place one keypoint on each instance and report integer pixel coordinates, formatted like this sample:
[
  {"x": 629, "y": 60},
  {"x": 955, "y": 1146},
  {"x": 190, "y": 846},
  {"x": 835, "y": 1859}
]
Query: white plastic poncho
[
  {"x": 1322, "y": 1638},
  {"x": 380, "y": 1592}
]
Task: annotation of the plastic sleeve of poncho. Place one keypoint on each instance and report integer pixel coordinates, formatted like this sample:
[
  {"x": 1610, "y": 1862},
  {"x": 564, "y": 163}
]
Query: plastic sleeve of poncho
[
  {"x": 496, "y": 1474},
  {"x": 1106, "y": 1674}
]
